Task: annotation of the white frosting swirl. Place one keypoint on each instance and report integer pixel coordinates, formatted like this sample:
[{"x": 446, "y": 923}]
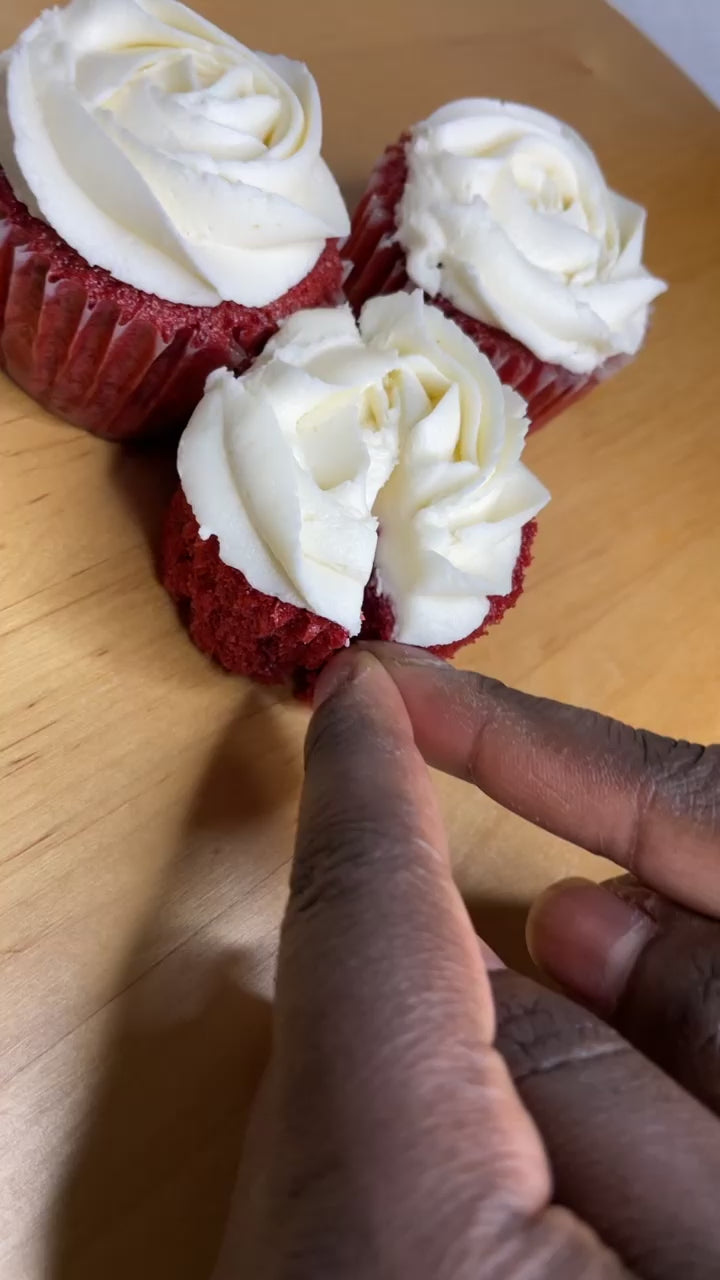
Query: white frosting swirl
[
  {"x": 452, "y": 514},
  {"x": 290, "y": 466},
  {"x": 284, "y": 464},
  {"x": 165, "y": 151},
  {"x": 506, "y": 213}
]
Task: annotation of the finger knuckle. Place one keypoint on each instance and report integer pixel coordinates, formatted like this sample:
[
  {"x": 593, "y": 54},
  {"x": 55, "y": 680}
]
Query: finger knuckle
[
  {"x": 674, "y": 999},
  {"x": 539, "y": 1031},
  {"x": 673, "y": 778},
  {"x": 333, "y": 728},
  {"x": 349, "y": 855},
  {"x": 334, "y": 858},
  {"x": 700, "y": 1026},
  {"x": 682, "y": 775},
  {"x": 490, "y": 706}
]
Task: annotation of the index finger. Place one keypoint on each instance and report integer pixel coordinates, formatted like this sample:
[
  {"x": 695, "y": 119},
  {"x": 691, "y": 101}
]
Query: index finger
[
  {"x": 392, "y": 1099},
  {"x": 649, "y": 803}
]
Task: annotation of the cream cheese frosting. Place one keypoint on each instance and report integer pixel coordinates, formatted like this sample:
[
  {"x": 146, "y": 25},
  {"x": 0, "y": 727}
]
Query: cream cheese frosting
[
  {"x": 163, "y": 150},
  {"x": 451, "y": 515},
  {"x": 507, "y": 214},
  {"x": 397, "y": 419},
  {"x": 284, "y": 464}
]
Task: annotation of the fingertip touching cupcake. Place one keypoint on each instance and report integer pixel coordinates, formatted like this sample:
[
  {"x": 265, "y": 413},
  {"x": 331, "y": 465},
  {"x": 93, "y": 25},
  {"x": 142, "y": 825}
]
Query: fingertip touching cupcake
[
  {"x": 362, "y": 478},
  {"x": 501, "y": 214},
  {"x": 163, "y": 206}
]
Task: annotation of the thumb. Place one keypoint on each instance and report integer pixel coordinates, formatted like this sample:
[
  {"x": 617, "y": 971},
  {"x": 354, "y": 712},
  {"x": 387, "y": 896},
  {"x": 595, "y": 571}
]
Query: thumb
[{"x": 651, "y": 967}]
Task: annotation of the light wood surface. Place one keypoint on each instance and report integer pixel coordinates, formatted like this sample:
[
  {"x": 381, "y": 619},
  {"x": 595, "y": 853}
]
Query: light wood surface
[{"x": 147, "y": 802}]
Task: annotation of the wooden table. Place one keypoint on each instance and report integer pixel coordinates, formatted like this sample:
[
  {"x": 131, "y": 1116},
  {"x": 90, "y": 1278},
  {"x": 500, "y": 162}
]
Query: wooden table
[{"x": 147, "y": 802}]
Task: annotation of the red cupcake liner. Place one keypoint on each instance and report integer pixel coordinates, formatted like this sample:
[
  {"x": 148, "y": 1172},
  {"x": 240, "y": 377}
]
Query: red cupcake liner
[
  {"x": 247, "y": 632},
  {"x": 253, "y": 634},
  {"x": 105, "y": 356},
  {"x": 378, "y": 265},
  {"x": 379, "y": 617}
]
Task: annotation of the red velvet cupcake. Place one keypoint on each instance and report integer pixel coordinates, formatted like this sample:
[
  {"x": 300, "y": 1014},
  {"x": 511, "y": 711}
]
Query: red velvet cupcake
[
  {"x": 163, "y": 206},
  {"x": 501, "y": 214},
  {"x": 359, "y": 479}
]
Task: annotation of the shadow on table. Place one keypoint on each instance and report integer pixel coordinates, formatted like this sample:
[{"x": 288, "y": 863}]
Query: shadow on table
[
  {"x": 501, "y": 923},
  {"x": 147, "y": 1189},
  {"x": 146, "y": 477},
  {"x": 352, "y": 191}
]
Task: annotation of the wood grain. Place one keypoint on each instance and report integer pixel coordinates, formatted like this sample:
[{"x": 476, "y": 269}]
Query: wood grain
[{"x": 147, "y": 802}]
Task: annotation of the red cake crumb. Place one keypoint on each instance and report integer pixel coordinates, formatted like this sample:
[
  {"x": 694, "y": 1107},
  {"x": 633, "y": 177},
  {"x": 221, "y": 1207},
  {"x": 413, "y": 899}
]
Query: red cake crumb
[
  {"x": 379, "y": 619},
  {"x": 246, "y": 631},
  {"x": 378, "y": 266},
  {"x": 106, "y": 356},
  {"x": 253, "y": 634}
]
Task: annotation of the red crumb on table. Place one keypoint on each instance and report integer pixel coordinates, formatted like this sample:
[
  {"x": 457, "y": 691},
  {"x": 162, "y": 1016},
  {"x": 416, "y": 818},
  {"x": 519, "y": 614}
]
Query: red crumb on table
[
  {"x": 106, "y": 356},
  {"x": 378, "y": 266},
  {"x": 379, "y": 623},
  {"x": 246, "y": 631}
]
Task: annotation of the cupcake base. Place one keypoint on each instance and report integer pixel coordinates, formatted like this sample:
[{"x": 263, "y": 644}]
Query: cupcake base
[
  {"x": 379, "y": 618},
  {"x": 106, "y": 356},
  {"x": 378, "y": 265},
  {"x": 252, "y": 634},
  {"x": 246, "y": 631}
]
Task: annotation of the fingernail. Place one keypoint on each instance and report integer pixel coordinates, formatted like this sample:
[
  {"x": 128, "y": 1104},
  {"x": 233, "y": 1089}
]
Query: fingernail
[
  {"x": 340, "y": 670},
  {"x": 404, "y": 655},
  {"x": 588, "y": 939}
]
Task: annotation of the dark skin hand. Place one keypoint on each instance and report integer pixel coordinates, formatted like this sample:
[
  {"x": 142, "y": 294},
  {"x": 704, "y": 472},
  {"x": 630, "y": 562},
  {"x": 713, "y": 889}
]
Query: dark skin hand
[{"x": 430, "y": 1115}]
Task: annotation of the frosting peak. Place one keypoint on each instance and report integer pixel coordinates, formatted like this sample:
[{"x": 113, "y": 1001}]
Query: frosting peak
[
  {"x": 507, "y": 214},
  {"x": 452, "y": 513},
  {"x": 166, "y": 152},
  {"x": 397, "y": 420},
  {"x": 284, "y": 464}
]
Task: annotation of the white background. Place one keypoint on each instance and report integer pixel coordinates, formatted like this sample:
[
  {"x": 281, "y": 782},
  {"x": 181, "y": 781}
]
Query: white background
[{"x": 688, "y": 31}]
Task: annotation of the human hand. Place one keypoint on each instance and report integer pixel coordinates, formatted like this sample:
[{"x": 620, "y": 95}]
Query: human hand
[{"x": 427, "y": 1120}]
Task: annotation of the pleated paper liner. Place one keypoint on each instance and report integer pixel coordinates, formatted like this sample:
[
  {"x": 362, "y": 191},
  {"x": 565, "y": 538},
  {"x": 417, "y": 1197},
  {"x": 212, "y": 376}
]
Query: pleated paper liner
[{"x": 105, "y": 356}]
